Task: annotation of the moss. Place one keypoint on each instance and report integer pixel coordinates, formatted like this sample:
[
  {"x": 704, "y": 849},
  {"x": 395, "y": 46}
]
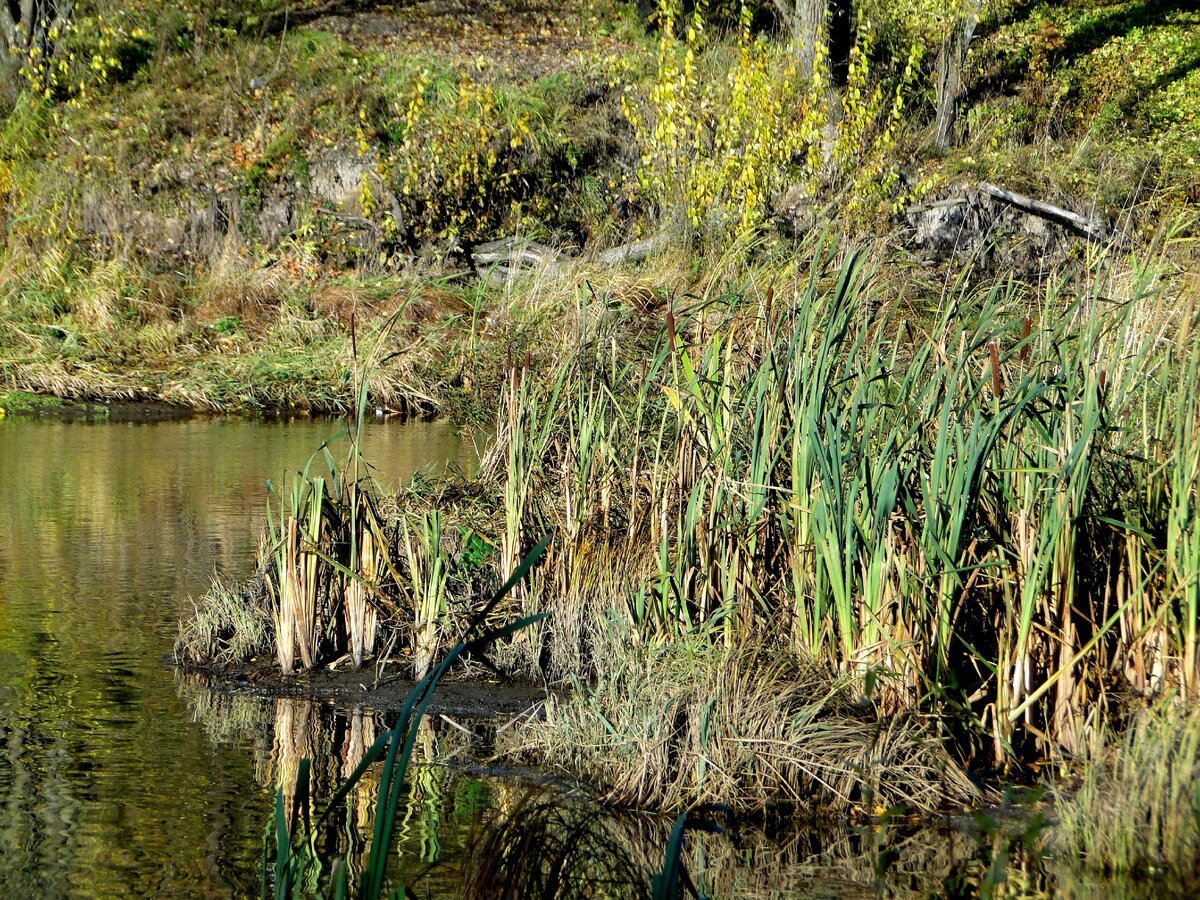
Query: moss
[{"x": 26, "y": 403}]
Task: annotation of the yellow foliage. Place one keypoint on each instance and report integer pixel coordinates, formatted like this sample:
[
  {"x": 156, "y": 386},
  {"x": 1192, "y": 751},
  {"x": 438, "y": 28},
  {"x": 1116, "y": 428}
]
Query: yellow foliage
[{"x": 718, "y": 147}]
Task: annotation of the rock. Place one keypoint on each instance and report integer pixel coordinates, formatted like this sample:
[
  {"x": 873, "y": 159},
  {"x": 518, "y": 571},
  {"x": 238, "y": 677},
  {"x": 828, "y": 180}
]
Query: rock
[
  {"x": 274, "y": 220},
  {"x": 793, "y": 210},
  {"x": 336, "y": 178},
  {"x": 207, "y": 229},
  {"x": 971, "y": 225},
  {"x": 944, "y": 229}
]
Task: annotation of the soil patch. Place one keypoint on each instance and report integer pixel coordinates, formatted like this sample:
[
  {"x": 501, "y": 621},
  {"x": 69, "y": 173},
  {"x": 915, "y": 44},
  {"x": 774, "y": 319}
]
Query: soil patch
[{"x": 528, "y": 39}]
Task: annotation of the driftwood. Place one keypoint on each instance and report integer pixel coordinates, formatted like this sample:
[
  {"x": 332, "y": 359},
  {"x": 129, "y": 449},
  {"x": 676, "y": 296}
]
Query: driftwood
[
  {"x": 498, "y": 260},
  {"x": 512, "y": 252},
  {"x": 948, "y": 203},
  {"x": 1085, "y": 227},
  {"x": 635, "y": 251}
]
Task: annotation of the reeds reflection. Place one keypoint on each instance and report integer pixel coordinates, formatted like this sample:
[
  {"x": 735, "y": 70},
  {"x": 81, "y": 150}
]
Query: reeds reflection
[
  {"x": 467, "y": 830},
  {"x": 442, "y": 806}
]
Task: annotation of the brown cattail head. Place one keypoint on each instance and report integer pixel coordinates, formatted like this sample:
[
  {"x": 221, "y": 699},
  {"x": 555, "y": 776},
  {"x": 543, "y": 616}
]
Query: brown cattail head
[
  {"x": 671, "y": 329},
  {"x": 997, "y": 382},
  {"x": 526, "y": 366},
  {"x": 1024, "y": 338},
  {"x": 1103, "y": 380}
]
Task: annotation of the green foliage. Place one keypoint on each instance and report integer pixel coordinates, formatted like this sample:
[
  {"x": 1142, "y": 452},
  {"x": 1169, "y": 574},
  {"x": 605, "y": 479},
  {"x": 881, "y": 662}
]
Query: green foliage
[
  {"x": 1122, "y": 73},
  {"x": 469, "y": 159},
  {"x": 80, "y": 53},
  {"x": 25, "y": 402}
]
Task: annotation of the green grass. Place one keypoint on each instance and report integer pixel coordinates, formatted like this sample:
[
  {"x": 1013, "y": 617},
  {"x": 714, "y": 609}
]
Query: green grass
[{"x": 24, "y": 402}]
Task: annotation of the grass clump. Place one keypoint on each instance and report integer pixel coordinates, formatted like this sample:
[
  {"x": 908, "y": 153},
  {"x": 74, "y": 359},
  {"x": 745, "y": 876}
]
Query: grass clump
[
  {"x": 1137, "y": 809},
  {"x": 231, "y": 625},
  {"x": 679, "y": 726}
]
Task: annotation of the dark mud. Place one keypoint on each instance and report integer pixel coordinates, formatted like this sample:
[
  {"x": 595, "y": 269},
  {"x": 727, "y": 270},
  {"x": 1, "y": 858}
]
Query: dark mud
[{"x": 463, "y": 697}]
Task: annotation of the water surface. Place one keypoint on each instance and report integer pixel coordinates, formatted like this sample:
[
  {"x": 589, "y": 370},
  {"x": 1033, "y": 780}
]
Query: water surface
[{"x": 107, "y": 785}]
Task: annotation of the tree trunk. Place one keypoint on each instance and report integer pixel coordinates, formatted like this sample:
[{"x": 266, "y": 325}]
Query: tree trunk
[
  {"x": 808, "y": 30},
  {"x": 26, "y": 29},
  {"x": 951, "y": 57}
]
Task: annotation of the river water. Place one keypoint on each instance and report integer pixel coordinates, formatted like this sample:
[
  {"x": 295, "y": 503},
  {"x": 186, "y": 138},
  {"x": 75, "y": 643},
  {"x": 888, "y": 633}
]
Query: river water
[
  {"x": 108, "y": 783},
  {"x": 121, "y": 777}
]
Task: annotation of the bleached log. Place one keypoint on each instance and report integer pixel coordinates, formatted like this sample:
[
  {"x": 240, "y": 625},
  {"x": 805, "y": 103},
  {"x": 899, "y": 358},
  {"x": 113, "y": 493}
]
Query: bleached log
[{"x": 1089, "y": 229}]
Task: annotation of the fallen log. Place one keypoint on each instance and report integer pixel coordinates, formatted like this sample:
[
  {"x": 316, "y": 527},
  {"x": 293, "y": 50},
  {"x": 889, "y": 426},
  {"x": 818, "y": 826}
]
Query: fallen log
[
  {"x": 634, "y": 251},
  {"x": 1088, "y": 229},
  {"x": 499, "y": 259}
]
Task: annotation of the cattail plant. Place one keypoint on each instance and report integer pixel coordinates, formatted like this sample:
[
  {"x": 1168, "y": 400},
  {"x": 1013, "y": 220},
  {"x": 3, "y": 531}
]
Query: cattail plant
[
  {"x": 421, "y": 544},
  {"x": 365, "y": 568},
  {"x": 954, "y": 507},
  {"x": 296, "y": 546}
]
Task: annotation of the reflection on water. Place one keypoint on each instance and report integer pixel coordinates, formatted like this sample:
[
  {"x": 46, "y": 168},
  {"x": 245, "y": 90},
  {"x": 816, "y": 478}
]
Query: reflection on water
[
  {"x": 467, "y": 831},
  {"x": 106, "y": 786},
  {"x": 442, "y": 808}
]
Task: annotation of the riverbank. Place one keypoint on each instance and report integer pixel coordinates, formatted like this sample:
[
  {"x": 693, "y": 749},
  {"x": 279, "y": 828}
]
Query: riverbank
[
  {"x": 297, "y": 180},
  {"x": 891, "y": 502},
  {"x": 850, "y": 443}
]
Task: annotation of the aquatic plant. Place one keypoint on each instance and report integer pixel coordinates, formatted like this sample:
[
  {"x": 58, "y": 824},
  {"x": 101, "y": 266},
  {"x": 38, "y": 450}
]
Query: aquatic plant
[
  {"x": 296, "y": 544},
  {"x": 964, "y": 507},
  {"x": 327, "y": 555},
  {"x": 422, "y": 548},
  {"x": 1137, "y": 809},
  {"x": 976, "y": 510}
]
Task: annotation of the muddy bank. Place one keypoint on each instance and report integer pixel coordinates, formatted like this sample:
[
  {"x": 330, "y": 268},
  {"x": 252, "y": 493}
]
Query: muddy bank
[
  {"x": 56, "y": 409},
  {"x": 464, "y": 697}
]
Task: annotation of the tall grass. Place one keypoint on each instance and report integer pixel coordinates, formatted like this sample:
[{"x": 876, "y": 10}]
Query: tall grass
[
  {"x": 1138, "y": 807},
  {"x": 687, "y": 725},
  {"x": 981, "y": 509}
]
